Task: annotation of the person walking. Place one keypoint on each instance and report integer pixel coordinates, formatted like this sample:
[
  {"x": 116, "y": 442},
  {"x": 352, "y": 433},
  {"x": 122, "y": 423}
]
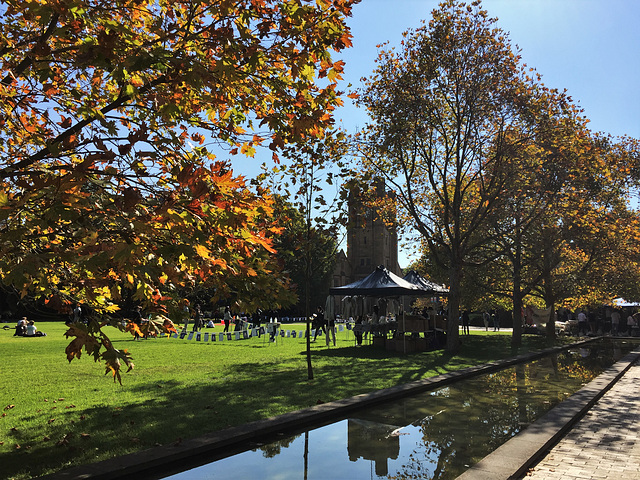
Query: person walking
[
  {"x": 227, "y": 318},
  {"x": 186, "y": 314},
  {"x": 631, "y": 322},
  {"x": 465, "y": 322},
  {"x": 615, "y": 322},
  {"x": 319, "y": 323},
  {"x": 357, "y": 330},
  {"x": 582, "y": 323},
  {"x": 197, "y": 319},
  {"x": 331, "y": 330}
]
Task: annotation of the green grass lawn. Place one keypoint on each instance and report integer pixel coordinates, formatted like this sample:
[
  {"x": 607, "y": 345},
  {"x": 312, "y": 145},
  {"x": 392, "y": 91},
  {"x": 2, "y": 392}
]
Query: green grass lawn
[{"x": 58, "y": 414}]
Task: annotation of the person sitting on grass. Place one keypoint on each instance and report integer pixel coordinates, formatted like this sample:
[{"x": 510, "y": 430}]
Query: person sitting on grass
[
  {"x": 21, "y": 328},
  {"x": 32, "y": 331}
]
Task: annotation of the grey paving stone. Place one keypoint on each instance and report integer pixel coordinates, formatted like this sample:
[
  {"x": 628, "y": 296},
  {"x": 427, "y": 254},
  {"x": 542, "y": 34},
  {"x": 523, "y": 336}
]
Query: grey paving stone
[{"x": 604, "y": 443}]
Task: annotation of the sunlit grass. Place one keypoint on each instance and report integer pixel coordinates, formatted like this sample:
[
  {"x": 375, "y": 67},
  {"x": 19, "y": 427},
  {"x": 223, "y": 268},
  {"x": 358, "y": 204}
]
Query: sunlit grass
[{"x": 57, "y": 414}]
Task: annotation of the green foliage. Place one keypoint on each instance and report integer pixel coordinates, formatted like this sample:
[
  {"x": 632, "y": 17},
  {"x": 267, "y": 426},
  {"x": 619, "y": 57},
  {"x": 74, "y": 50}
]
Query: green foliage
[{"x": 290, "y": 245}]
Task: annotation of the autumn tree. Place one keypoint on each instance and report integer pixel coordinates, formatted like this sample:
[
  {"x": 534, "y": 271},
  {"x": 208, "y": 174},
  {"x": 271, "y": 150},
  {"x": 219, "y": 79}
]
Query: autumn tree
[
  {"x": 309, "y": 168},
  {"x": 448, "y": 114},
  {"x": 565, "y": 222},
  {"x": 590, "y": 231},
  {"x": 546, "y": 173},
  {"x": 111, "y": 117},
  {"x": 573, "y": 208},
  {"x": 289, "y": 247}
]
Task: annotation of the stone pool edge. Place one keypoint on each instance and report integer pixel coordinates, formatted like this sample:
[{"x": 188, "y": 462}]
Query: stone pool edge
[
  {"x": 512, "y": 459},
  {"x": 165, "y": 460}
]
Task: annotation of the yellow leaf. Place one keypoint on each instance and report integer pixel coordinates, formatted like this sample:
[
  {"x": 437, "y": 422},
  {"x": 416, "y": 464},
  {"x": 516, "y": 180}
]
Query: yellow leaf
[{"x": 203, "y": 251}]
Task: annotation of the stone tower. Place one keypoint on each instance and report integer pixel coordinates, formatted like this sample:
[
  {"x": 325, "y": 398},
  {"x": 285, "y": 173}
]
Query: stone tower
[{"x": 370, "y": 240}]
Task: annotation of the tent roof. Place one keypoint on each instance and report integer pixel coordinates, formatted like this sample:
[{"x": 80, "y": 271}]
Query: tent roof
[
  {"x": 621, "y": 303},
  {"x": 380, "y": 283},
  {"x": 427, "y": 285}
]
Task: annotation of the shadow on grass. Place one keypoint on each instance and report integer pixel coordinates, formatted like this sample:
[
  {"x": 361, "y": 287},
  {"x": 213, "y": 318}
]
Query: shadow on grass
[{"x": 175, "y": 410}]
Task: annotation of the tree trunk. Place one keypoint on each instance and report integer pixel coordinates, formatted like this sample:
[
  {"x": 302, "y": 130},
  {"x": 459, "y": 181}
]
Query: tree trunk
[
  {"x": 307, "y": 293},
  {"x": 549, "y": 296},
  {"x": 453, "y": 320},
  {"x": 516, "y": 336},
  {"x": 551, "y": 322},
  {"x": 307, "y": 314},
  {"x": 517, "y": 296}
]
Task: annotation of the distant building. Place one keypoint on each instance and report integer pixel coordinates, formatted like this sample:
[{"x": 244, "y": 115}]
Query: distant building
[{"x": 370, "y": 241}]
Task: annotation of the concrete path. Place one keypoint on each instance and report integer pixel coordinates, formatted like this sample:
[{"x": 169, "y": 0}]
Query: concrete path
[
  {"x": 591, "y": 435},
  {"x": 605, "y": 443}
]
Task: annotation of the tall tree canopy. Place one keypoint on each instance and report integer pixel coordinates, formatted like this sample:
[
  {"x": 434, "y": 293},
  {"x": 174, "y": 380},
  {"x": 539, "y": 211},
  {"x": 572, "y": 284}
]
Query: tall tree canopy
[
  {"x": 491, "y": 167},
  {"x": 291, "y": 244},
  {"x": 449, "y": 112},
  {"x": 110, "y": 117}
]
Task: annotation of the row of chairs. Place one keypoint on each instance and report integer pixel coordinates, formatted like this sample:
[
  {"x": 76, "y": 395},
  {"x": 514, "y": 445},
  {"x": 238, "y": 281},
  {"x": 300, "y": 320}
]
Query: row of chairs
[{"x": 267, "y": 331}]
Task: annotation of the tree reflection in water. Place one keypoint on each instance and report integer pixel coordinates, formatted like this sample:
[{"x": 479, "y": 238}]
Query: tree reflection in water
[
  {"x": 434, "y": 435},
  {"x": 462, "y": 423}
]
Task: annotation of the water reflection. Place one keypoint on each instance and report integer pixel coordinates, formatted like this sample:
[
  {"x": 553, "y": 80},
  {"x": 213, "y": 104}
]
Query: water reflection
[
  {"x": 373, "y": 441},
  {"x": 435, "y": 435}
]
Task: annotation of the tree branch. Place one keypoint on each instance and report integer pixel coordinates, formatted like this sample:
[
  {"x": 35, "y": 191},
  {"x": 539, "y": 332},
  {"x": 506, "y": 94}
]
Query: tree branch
[
  {"x": 117, "y": 103},
  {"x": 28, "y": 60}
]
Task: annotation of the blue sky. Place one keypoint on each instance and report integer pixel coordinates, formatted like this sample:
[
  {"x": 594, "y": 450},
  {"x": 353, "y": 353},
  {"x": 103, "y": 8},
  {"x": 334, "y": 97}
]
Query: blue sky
[{"x": 589, "y": 47}]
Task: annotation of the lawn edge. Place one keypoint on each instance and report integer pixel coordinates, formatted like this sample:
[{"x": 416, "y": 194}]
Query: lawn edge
[{"x": 164, "y": 460}]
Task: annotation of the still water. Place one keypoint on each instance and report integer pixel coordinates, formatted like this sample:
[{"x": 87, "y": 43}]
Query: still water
[{"x": 433, "y": 435}]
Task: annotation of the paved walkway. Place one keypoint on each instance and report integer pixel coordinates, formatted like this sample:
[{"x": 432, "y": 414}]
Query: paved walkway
[{"x": 605, "y": 443}]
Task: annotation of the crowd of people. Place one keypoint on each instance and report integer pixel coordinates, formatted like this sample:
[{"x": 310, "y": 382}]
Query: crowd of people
[
  {"x": 240, "y": 321},
  {"x": 600, "y": 321},
  {"x": 614, "y": 321}
]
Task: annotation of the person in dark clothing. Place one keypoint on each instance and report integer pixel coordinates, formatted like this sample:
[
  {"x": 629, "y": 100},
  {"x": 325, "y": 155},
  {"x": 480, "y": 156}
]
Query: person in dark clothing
[
  {"x": 357, "y": 330},
  {"x": 197, "y": 319},
  {"x": 21, "y": 327},
  {"x": 465, "y": 323},
  {"x": 256, "y": 319},
  {"x": 227, "y": 318},
  {"x": 319, "y": 322}
]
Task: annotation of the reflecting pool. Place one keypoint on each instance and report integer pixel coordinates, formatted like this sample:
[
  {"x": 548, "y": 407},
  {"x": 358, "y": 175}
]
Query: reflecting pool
[{"x": 432, "y": 435}]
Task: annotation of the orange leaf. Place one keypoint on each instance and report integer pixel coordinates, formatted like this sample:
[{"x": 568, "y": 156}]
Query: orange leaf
[{"x": 133, "y": 328}]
